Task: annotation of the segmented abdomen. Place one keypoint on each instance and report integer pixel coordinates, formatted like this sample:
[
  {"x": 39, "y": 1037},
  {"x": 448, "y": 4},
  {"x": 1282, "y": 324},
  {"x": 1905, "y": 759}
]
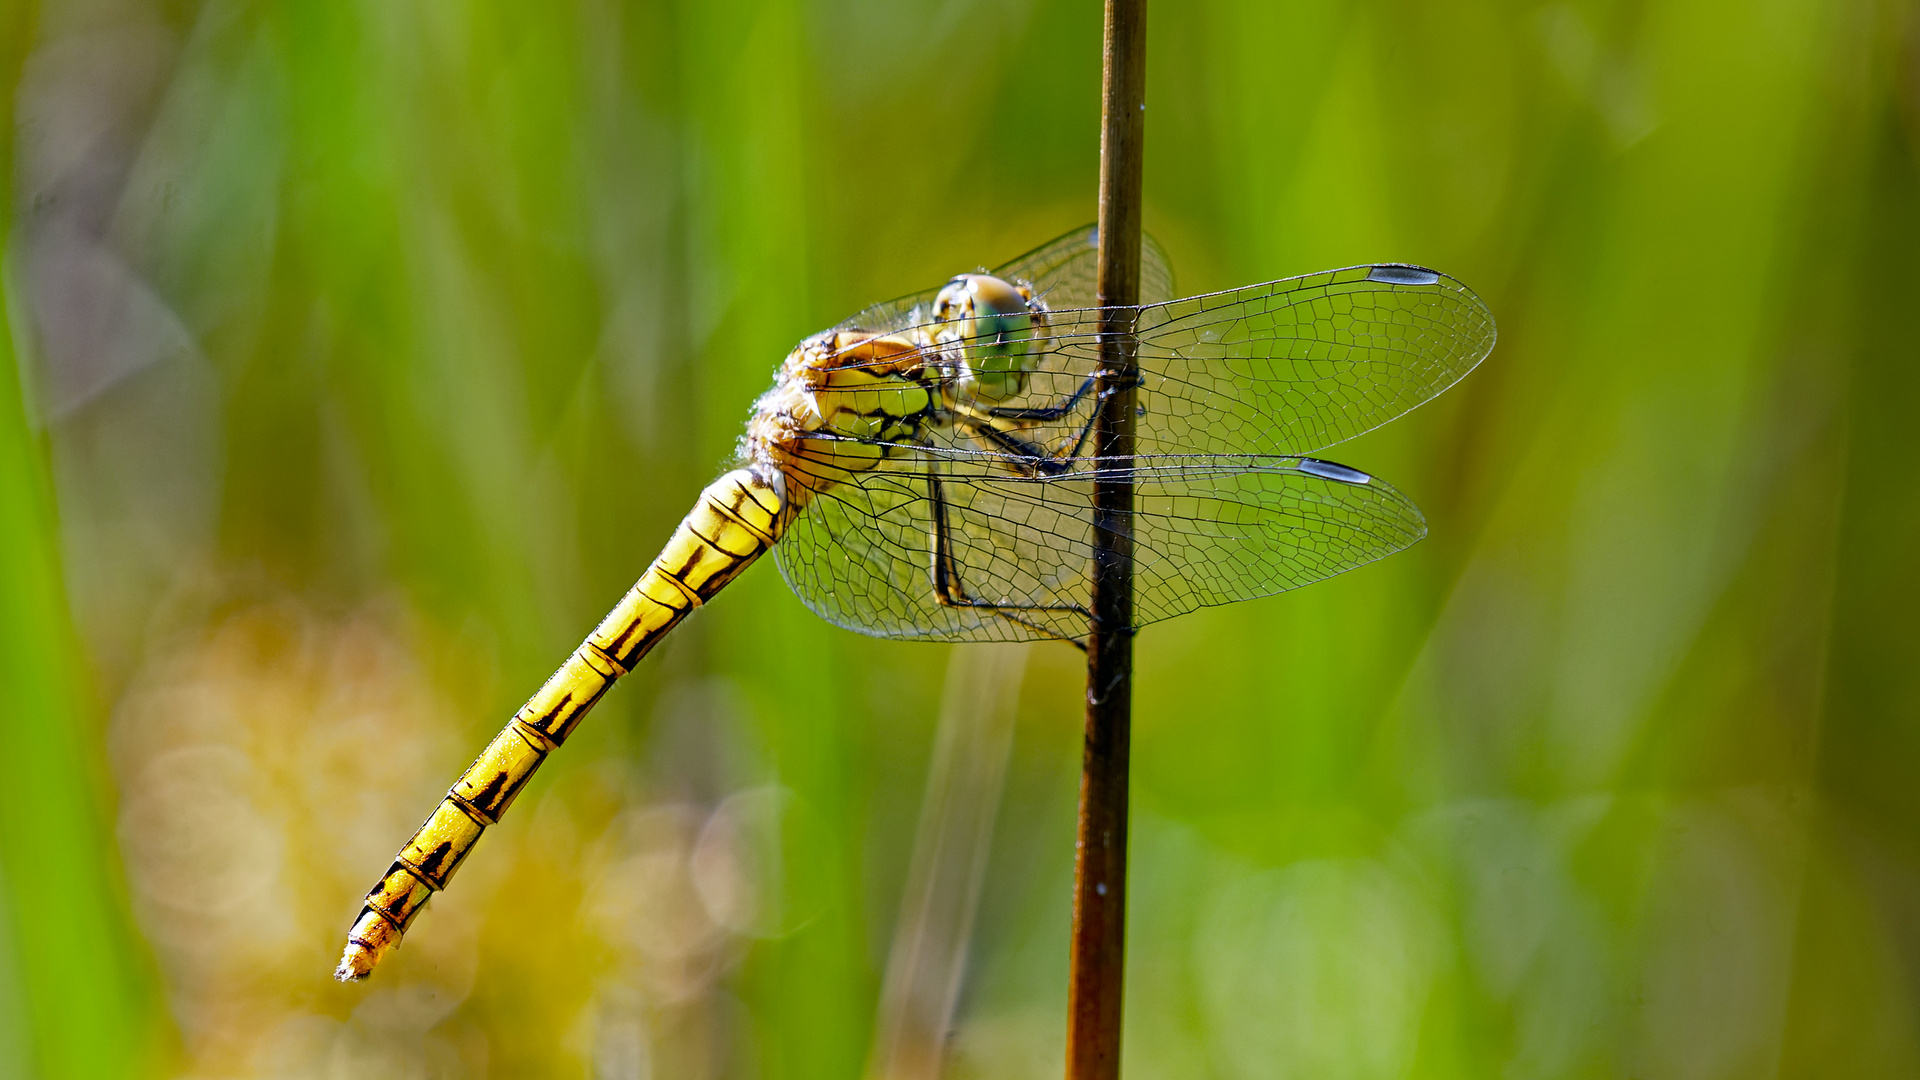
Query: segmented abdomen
[{"x": 736, "y": 519}]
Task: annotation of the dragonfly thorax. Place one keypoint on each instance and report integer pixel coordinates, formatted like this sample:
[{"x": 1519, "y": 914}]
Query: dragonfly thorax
[
  {"x": 860, "y": 385},
  {"x": 843, "y": 401}
]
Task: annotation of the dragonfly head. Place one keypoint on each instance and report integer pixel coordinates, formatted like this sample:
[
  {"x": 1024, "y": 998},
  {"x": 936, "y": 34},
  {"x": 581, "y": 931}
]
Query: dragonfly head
[{"x": 990, "y": 325}]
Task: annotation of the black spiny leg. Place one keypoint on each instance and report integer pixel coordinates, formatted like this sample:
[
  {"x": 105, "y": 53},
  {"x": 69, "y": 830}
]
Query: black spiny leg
[
  {"x": 1093, "y": 417},
  {"x": 1033, "y": 459},
  {"x": 950, "y": 591},
  {"x": 1048, "y": 413},
  {"x": 1038, "y": 461}
]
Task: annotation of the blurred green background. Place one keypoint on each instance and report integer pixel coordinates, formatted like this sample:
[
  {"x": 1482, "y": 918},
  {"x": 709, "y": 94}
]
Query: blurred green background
[{"x": 357, "y": 356}]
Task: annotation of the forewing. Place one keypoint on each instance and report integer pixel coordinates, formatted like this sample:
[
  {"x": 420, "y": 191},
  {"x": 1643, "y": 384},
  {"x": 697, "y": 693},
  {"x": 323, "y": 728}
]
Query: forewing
[
  {"x": 1294, "y": 366},
  {"x": 1064, "y": 271},
  {"x": 1060, "y": 271},
  {"x": 1206, "y": 532},
  {"x": 1280, "y": 369}
]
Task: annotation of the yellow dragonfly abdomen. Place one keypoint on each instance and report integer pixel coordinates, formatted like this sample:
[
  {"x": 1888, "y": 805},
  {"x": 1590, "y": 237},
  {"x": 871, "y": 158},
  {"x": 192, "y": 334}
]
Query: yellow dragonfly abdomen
[{"x": 735, "y": 520}]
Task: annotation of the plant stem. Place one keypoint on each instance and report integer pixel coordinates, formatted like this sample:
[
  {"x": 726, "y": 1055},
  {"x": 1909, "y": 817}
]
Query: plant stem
[{"x": 1100, "y": 866}]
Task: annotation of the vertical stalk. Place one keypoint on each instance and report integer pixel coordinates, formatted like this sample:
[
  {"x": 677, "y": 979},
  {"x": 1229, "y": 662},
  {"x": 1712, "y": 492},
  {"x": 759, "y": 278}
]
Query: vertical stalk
[
  {"x": 927, "y": 965},
  {"x": 1100, "y": 865}
]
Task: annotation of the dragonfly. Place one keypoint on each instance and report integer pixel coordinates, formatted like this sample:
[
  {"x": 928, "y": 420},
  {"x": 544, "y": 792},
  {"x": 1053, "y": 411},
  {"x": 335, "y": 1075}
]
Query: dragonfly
[{"x": 922, "y": 471}]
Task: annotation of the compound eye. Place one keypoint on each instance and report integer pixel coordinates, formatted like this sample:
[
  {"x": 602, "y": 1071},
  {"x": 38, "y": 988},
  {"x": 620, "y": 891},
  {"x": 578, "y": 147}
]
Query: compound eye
[
  {"x": 979, "y": 296},
  {"x": 993, "y": 296}
]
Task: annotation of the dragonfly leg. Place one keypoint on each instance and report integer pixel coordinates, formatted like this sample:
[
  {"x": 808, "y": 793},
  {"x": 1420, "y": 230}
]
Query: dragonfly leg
[
  {"x": 1032, "y": 458},
  {"x": 1063, "y": 458},
  {"x": 1035, "y": 460},
  {"x": 1080, "y": 442},
  {"x": 1048, "y": 413},
  {"x": 950, "y": 591}
]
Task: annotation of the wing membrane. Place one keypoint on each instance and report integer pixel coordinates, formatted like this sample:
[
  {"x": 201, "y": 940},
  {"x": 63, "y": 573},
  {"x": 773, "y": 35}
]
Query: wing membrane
[
  {"x": 1207, "y": 532},
  {"x": 1060, "y": 271},
  {"x": 1298, "y": 365},
  {"x": 1280, "y": 369},
  {"x": 969, "y": 535}
]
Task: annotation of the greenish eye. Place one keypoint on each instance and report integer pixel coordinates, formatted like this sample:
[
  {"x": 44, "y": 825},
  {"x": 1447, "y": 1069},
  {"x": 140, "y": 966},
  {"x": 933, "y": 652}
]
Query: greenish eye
[{"x": 993, "y": 321}]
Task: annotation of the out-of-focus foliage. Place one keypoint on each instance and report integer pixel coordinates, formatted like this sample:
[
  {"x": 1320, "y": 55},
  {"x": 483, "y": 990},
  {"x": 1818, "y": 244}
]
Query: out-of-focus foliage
[{"x": 358, "y": 355}]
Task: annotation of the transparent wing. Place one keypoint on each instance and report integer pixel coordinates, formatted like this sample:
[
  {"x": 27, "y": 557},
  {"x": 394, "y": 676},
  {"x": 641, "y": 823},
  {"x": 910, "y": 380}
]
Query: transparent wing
[
  {"x": 1280, "y": 369},
  {"x": 1295, "y": 366},
  {"x": 982, "y": 529},
  {"x": 1015, "y": 553},
  {"x": 1061, "y": 273}
]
